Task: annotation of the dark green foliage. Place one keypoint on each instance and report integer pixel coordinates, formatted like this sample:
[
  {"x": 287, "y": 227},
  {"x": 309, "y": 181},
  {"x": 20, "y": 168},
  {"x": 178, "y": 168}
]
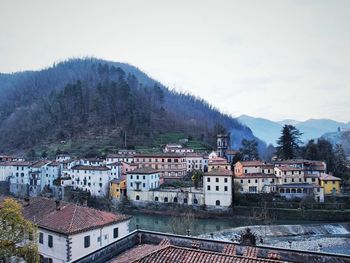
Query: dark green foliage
[
  {"x": 288, "y": 143},
  {"x": 249, "y": 150},
  {"x": 93, "y": 101}
]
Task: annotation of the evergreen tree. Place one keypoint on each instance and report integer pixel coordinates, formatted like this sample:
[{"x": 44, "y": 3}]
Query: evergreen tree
[
  {"x": 339, "y": 161},
  {"x": 311, "y": 151},
  {"x": 249, "y": 150},
  {"x": 288, "y": 143}
]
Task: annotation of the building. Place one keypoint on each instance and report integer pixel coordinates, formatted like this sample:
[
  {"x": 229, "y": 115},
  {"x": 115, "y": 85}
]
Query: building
[
  {"x": 252, "y": 167},
  {"x": 176, "y": 148},
  {"x": 141, "y": 180},
  {"x": 196, "y": 161},
  {"x": 67, "y": 231},
  {"x": 19, "y": 179},
  {"x": 222, "y": 144},
  {"x": 308, "y": 166},
  {"x": 120, "y": 157},
  {"x": 256, "y": 183},
  {"x": 154, "y": 247},
  {"x": 117, "y": 189},
  {"x": 218, "y": 162},
  {"x": 171, "y": 166},
  {"x": 301, "y": 191},
  {"x": 217, "y": 187},
  {"x": 230, "y": 155},
  {"x": 93, "y": 179},
  {"x": 330, "y": 183}
]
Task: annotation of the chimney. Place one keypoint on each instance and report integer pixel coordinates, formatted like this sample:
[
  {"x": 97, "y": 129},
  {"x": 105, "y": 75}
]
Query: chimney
[{"x": 57, "y": 204}]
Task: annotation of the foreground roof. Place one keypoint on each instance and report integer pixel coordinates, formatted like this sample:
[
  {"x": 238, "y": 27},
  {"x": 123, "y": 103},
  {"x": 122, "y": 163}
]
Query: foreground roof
[{"x": 67, "y": 218}]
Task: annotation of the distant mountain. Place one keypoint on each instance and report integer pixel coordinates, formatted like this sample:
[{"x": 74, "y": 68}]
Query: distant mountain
[
  {"x": 87, "y": 104},
  {"x": 340, "y": 137},
  {"x": 269, "y": 131}
]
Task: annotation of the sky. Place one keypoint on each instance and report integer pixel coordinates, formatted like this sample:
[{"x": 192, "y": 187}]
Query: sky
[{"x": 275, "y": 59}]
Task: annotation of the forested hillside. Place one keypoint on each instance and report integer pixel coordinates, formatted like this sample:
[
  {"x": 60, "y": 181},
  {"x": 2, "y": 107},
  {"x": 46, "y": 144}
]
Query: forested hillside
[{"x": 91, "y": 100}]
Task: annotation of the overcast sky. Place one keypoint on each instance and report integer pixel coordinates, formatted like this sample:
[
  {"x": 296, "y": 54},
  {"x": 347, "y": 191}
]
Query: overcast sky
[{"x": 273, "y": 59}]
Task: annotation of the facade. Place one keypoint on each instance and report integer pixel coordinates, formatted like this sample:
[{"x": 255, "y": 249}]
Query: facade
[
  {"x": 301, "y": 191},
  {"x": 257, "y": 183},
  {"x": 120, "y": 157},
  {"x": 252, "y": 167},
  {"x": 195, "y": 161},
  {"x": 169, "y": 165},
  {"x": 217, "y": 187},
  {"x": 218, "y": 162},
  {"x": 330, "y": 183},
  {"x": 93, "y": 179},
  {"x": 142, "y": 179},
  {"x": 68, "y": 231},
  {"x": 117, "y": 189},
  {"x": 176, "y": 148}
]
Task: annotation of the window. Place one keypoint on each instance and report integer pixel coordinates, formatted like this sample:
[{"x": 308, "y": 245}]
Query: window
[
  {"x": 49, "y": 241},
  {"x": 130, "y": 184},
  {"x": 98, "y": 239},
  {"x": 156, "y": 199},
  {"x": 208, "y": 179},
  {"x": 175, "y": 199},
  {"x": 217, "y": 188},
  {"x": 144, "y": 177},
  {"x": 208, "y": 187},
  {"x": 225, "y": 188},
  {"x": 256, "y": 181},
  {"x": 195, "y": 201},
  {"x": 241, "y": 181},
  {"x": 217, "y": 202},
  {"x": 185, "y": 200},
  {"x": 137, "y": 177},
  {"x": 144, "y": 185},
  {"x": 130, "y": 176},
  {"x": 217, "y": 180},
  {"x": 41, "y": 238},
  {"x": 225, "y": 180},
  {"x": 252, "y": 189},
  {"x": 86, "y": 241},
  {"x": 137, "y": 197},
  {"x": 165, "y": 199},
  {"x": 115, "y": 232}
]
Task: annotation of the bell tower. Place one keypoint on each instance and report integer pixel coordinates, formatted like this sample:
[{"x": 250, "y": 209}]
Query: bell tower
[{"x": 222, "y": 144}]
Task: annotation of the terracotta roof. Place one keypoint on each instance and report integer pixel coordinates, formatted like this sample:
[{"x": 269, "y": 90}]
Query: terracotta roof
[
  {"x": 69, "y": 218},
  {"x": 159, "y": 155},
  {"x": 188, "y": 255},
  {"x": 252, "y": 163},
  {"x": 144, "y": 170},
  {"x": 90, "y": 167},
  {"x": 328, "y": 177},
  {"x": 288, "y": 168},
  {"x": 219, "y": 172},
  {"x": 255, "y": 175}
]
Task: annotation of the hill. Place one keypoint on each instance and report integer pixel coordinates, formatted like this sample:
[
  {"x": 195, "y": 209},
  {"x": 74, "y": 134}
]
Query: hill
[
  {"x": 269, "y": 131},
  {"x": 94, "y": 106}
]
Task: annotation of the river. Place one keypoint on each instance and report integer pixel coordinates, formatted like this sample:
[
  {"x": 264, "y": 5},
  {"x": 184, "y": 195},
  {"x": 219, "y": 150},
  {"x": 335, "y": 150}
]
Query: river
[{"x": 304, "y": 235}]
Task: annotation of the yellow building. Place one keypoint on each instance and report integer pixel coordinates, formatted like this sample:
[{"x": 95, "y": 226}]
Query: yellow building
[
  {"x": 117, "y": 188},
  {"x": 330, "y": 183}
]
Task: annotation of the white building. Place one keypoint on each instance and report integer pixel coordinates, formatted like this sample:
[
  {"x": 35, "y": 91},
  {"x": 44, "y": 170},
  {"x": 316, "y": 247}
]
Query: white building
[
  {"x": 123, "y": 157},
  {"x": 142, "y": 179},
  {"x": 195, "y": 161},
  {"x": 67, "y": 232},
  {"x": 94, "y": 179},
  {"x": 51, "y": 173},
  {"x": 217, "y": 187}
]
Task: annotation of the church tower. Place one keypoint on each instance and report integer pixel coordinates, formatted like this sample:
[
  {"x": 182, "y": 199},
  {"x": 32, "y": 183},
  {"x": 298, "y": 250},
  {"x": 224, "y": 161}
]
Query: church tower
[{"x": 222, "y": 144}]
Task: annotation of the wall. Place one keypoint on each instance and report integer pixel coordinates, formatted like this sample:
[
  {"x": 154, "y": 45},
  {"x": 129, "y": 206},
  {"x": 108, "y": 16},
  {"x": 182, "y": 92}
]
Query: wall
[{"x": 58, "y": 253}]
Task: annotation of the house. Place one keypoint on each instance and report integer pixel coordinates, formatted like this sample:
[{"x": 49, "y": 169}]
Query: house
[
  {"x": 19, "y": 179},
  {"x": 330, "y": 183},
  {"x": 141, "y": 180},
  {"x": 252, "y": 167},
  {"x": 93, "y": 179},
  {"x": 51, "y": 173},
  {"x": 120, "y": 157},
  {"x": 63, "y": 157},
  {"x": 301, "y": 191},
  {"x": 117, "y": 189},
  {"x": 171, "y": 166},
  {"x": 308, "y": 166},
  {"x": 196, "y": 161},
  {"x": 217, "y": 187},
  {"x": 218, "y": 162},
  {"x": 256, "y": 183},
  {"x": 68, "y": 231}
]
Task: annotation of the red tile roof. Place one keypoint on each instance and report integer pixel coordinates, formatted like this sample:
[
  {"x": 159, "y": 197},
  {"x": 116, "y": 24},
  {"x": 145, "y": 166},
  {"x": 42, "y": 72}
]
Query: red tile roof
[
  {"x": 188, "y": 255},
  {"x": 68, "y": 218},
  {"x": 252, "y": 163},
  {"x": 90, "y": 167},
  {"x": 219, "y": 172}
]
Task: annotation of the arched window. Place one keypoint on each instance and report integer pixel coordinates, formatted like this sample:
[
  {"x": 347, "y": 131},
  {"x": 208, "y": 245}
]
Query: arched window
[
  {"x": 217, "y": 202},
  {"x": 298, "y": 190},
  {"x": 293, "y": 191},
  {"x": 282, "y": 191},
  {"x": 195, "y": 201},
  {"x": 137, "y": 197},
  {"x": 165, "y": 199},
  {"x": 175, "y": 199},
  {"x": 288, "y": 191},
  {"x": 156, "y": 199},
  {"x": 185, "y": 200}
]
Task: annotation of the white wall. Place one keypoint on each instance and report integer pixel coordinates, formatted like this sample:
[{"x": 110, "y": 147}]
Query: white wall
[
  {"x": 58, "y": 252},
  {"x": 212, "y": 195}
]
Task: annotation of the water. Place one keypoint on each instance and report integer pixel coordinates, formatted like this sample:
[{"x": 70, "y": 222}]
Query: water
[{"x": 318, "y": 236}]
